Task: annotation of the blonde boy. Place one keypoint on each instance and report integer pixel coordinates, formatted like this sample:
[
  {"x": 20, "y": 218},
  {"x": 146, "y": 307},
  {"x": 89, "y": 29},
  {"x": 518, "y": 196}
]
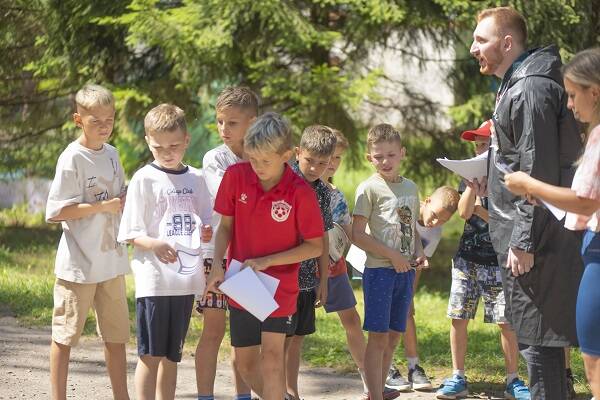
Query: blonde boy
[
  {"x": 236, "y": 110},
  {"x": 389, "y": 204},
  {"x": 270, "y": 221},
  {"x": 165, "y": 220},
  {"x": 86, "y": 197}
]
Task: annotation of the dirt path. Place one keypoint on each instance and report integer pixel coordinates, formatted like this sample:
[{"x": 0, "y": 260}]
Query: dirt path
[{"x": 24, "y": 371}]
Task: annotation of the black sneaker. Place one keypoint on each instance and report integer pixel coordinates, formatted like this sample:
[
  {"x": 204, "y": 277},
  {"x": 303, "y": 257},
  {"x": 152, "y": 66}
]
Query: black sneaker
[
  {"x": 418, "y": 378},
  {"x": 395, "y": 380},
  {"x": 571, "y": 395}
]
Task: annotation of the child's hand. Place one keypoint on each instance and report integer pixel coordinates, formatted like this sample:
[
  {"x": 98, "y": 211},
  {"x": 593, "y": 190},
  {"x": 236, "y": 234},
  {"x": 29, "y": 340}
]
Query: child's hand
[
  {"x": 257, "y": 264},
  {"x": 400, "y": 263},
  {"x": 422, "y": 262},
  {"x": 206, "y": 233},
  {"x": 321, "y": 294},
  {"x": 165, "y": 253},
  {"x": 214, "y": 279},
  {"x": 479, "y": 186},
  {"x": 112, "y": 206}
]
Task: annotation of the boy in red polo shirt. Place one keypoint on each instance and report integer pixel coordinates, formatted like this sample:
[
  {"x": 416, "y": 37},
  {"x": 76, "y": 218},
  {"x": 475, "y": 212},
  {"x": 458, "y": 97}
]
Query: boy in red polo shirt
[{"x": 271, "y": 221}]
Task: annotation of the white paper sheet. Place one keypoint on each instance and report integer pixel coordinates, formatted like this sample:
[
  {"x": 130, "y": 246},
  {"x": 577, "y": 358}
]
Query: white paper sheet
[
  {"x": 469, "y": 169},
  {"x": 357, "y": 257},
  {"x": 557, "y": 212},
  {"x": 248, "y": 291},
  {"x": 269, "y": 282},
  {"x": 234, "y": 267}
]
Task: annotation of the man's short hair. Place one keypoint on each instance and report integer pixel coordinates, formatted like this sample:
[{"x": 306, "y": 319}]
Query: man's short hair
[
  {"x": 382, "y": 133},
  {"x": 341, "y": 140},
  {"x": 238, "y": 96},
  {"x": 448, "y": 196},
  {"x": 164, "y": 118},
  {"x": 270, "y": 132},
  {"x": 92, "y": 95},
  {"x": 507, "y": 20},
  {"x": 319, "y": 140}
]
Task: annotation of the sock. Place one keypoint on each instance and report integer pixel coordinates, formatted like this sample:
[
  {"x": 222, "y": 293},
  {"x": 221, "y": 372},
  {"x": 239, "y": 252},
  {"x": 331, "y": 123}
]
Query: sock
[
  {"x": 364, "y": 380},
  {"x": 511, "y": 377},
  {"x": 412, "y": 362},
  {"x": 209, "y": 397},
  {"x": 459, "y": 372},
  {"x": 244, "y": 396}
]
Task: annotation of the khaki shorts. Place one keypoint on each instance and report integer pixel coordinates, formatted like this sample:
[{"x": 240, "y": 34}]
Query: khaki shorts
[{"x": 72, "y": 302}]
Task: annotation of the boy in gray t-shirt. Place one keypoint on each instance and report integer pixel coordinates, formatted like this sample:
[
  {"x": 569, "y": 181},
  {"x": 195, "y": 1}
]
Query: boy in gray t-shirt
[{"x": 86, "y": 197}]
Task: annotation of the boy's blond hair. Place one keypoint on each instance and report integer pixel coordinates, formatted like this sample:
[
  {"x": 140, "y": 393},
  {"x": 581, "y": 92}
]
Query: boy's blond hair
[
  {"x": 341, "y": 140},
  {"x": 319, "y": 140},
  {"x": 270, "y": 132},
  {"x": 92, "y": 95},
  {"x": 238, "y": 96},
  {"x": 382, "y": 133},
  {"x": 448, "y": 196},
  {"x": 164, "y": 118}
]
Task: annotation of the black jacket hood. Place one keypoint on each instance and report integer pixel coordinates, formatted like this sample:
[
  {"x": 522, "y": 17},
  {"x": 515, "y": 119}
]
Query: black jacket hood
[{"x": 543, "y": 61}]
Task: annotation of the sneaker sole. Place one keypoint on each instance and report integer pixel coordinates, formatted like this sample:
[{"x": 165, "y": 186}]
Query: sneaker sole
[
  {"x": 422, "y": 386},
  {"x": 461, "y": 395},
  {"x": 390, "y": 396},
  {"x": 401, "y": 388}
]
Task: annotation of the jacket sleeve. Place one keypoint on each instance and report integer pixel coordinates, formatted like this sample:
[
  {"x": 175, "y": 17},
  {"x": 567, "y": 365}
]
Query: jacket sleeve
[{"x": 535, "y": 126}]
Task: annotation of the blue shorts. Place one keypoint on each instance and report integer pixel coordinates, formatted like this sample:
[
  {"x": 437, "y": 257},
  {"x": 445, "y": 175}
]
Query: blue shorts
[
  {"x": 387, "y": 295},
  {"x": 340, "y": 295},
  {"x": 162, "y": 323},
  {"x": 588, "y": 298}
]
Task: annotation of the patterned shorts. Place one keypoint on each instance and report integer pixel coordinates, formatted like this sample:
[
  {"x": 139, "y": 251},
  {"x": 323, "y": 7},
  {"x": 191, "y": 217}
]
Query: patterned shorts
[
  {"x": 211, "y": 300},
  {"x": 470, "y": 281}
]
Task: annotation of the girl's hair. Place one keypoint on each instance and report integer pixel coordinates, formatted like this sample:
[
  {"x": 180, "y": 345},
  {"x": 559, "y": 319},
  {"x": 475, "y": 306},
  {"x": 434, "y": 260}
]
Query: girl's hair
[{"x": 584, "y": 70}]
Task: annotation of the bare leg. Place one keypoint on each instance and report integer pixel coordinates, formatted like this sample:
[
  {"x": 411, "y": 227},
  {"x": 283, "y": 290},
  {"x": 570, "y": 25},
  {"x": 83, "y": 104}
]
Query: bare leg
[
  {"x": 510, "y": 347},
  {"x": 376, "y": 346},
  {"x": 116, "y": 365},
  {"x": 207, "y": 350},
  {"x": 592, "y": 371},
  {"x": 59, "y": 369},
  {"x": 241, "y": 387},
  {"x": 146, "y": 373},
  {"x": 458, "y": 342},
  {"x": 167, "y": 379},
  {"x": 293, "y": 350},
  {"x": 247, "y": 360},
  {"x": 388, "y": 354},
  {"x": 272, "y": 361},
  {"x": 354, "y": 335},
  {"x": 410, "y": 336}
]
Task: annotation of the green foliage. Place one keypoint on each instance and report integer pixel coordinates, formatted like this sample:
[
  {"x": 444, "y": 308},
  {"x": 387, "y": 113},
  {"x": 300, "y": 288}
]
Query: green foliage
[{"x": 19, "y": 216}]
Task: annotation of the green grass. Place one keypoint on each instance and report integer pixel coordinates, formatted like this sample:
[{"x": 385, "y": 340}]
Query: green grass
[{"x": 26, "y": 281}]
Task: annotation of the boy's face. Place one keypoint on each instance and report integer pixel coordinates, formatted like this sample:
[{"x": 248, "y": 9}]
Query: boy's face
[
  {"x": 232, "y": 124},
  {"x": 334, "y": 163},
  {"x": 96, "y": 122},
  {"x": 386, "y": 158},
  {"x": 311, "y": 165},
  {"x": 168, "y": 148},
  {"x": 268, "y": 165},
  {"x": 433, "y": 213},
  {"x": 482, "y": 144}
]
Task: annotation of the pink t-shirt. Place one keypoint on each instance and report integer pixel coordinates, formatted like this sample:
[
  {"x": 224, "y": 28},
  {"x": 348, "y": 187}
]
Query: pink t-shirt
[{"x": 586, "y": 183}]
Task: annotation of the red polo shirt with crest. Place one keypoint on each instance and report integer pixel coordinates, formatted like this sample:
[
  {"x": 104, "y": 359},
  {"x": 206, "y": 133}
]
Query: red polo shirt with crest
[{"x": 270, "y": 222}]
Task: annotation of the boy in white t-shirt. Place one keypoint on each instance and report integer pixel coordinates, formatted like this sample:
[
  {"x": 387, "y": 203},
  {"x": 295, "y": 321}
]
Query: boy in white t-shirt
[
  {"x": 168, "y": 206},
  {"x": 236, "y": 109},
  {"x": 86, "y": 197}
]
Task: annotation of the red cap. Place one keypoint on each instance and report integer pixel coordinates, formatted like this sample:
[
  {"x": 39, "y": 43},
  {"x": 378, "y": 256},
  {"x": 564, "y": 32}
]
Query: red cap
[{"x": 484, "y": 129}]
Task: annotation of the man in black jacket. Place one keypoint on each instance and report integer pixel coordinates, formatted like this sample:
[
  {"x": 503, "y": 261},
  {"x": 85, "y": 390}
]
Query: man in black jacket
[{"x": 535, "y": 133}]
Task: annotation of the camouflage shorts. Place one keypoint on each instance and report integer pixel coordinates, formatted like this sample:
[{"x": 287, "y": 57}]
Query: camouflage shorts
[
  {"x": 211, "y": 300},
  {"x": 470, "y": 281}
]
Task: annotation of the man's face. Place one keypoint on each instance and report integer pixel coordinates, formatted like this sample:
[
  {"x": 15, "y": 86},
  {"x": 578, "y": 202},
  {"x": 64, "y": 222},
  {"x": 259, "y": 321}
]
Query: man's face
[
  {"x": 487, "y": 47},
  {"x": 311, "y": 165}
]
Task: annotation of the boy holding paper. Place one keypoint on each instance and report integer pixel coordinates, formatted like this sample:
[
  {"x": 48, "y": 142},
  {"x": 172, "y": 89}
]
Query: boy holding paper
[
  {"x": 168, "y": 203},
  {"x": 270, "y": 219}
]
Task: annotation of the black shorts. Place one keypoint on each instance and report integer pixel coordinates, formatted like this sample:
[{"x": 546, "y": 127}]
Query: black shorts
[
  {"x": 162, "y": 323},
  {"x": 245, "y": 329},
  {"x": 305, "y": 313}
]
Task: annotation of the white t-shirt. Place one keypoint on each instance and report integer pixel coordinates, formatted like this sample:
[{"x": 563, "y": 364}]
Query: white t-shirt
[
  {"x": 170, "y": 206},
  {"x": 214, "y": 165},
  {"x": 88, "y": 251},
  {"x": 430, "y": 238}
]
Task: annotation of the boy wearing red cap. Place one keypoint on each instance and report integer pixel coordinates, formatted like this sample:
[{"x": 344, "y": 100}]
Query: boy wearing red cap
[{"x": 475, "y": 274}]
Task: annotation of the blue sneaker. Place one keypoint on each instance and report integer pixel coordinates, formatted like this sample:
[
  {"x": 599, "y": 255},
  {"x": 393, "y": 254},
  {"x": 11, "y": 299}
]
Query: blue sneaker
[
  {"x": 453, "y": 388},
  {"x": 517, "y": 390}
]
